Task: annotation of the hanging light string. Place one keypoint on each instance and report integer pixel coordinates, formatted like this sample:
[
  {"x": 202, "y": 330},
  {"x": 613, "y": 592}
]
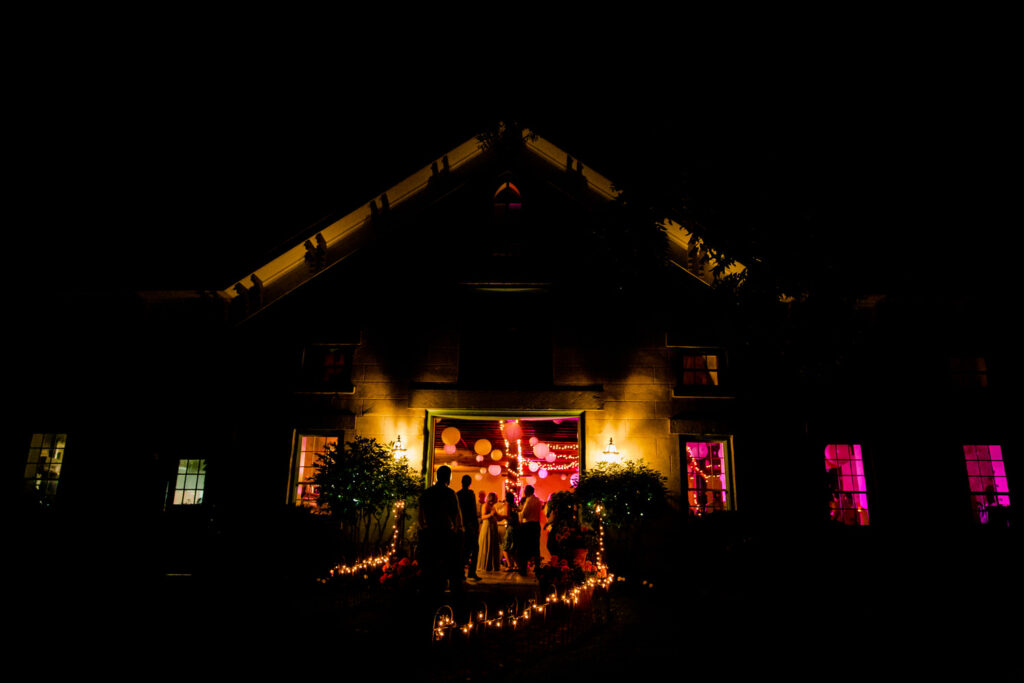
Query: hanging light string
[
  {"x": 444, "y": 626},
  {"x": 370, "y": 562}
]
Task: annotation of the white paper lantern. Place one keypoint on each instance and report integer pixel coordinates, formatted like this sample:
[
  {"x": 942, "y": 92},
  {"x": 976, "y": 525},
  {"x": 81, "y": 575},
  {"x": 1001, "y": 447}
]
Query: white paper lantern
[
  {"x": 551, "y": 457},
  {"x": 541, "y": 450},
  {"x": 479, "y": 458},
  {"x": 534, "y": 465},
  {"x": 449, "y": 448},
  {"x": 534, "y": 441},
  {"x": 542, "y": 473},
  {"x": 494, "y": 470}
]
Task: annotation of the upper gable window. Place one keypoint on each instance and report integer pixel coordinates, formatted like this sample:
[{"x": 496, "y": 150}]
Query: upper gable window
[
  {"x": 327, "y": 367},
  {"x": 45, "y": 460},
  {"x": 508, "y": 197}
]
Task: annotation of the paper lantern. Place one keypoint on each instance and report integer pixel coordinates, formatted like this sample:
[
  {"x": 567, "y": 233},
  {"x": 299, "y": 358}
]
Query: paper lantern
[
  {"x": 534, "y": 441},
  {"x": 496, "y": 454},
  {"x": 531, "y": 480},
  {"x": 478, "y": 476},
  {"x": 534, "y": 465},
  {"x": 564, "y": 477},
  {"x": 513, "y": 431},
  {"x": 483, "y": 470},
  {"x": 551, "y": 457},
  {"x": 482, "y": 447},
  {"x": 574, "y": 480},
  {"x": 479, "y": 458},
  {"x": 450, "y": 436},
  {"x": 542, "y": 473},
  {"x": 494, "y": 469},
  {"x": 541, "y": 450},
  {"x": 449, "y": 448}
]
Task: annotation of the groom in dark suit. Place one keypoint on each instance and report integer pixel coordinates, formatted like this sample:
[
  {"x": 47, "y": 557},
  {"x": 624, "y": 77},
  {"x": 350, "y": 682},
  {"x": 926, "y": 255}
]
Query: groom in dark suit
[{"x": 470, "y": 525}]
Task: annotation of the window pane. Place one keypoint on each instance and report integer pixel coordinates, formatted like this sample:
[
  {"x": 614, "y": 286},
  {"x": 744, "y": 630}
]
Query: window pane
[
  {"x": 311, "y": 447},
  {"x": 706, "y": 480},
  {"x": 193, "y": 466},
  {"x": 847, "y": 484},
  {"x": 986, "y": 477}
]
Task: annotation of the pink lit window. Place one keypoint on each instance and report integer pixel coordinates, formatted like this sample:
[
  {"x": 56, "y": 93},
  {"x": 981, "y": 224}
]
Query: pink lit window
[
  {"x": 986, "y": 475},
  {"x": 707, "y": 487},
  {"x": 309, "y": 448},
  {"x": 844, "y": 468}
]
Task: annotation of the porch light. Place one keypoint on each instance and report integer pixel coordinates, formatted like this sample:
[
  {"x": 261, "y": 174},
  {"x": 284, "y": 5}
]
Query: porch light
[
  {"x": 399, "y": 448},
  {"x": 610, "y": 449}
]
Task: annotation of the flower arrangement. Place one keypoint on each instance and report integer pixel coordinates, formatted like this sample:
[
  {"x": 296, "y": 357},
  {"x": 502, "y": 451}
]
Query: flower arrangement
[
  {"x": 402, "y": 574},
  {"x": 558, "y": 575}
]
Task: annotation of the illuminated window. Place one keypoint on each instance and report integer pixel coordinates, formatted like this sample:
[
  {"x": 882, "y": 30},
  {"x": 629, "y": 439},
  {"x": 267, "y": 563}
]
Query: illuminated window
[
  {"x": 968, "y": 372},
  {"x": 190, "y": 482},
  {"x": 847, "y": 486},
  {"x": 308, "y": 448},
  {"x": 45, "y": 459},
  {"x": 986, "y": 475},
  {"x": 707, "y": 477},
  {"x": 327, "y": 368}
]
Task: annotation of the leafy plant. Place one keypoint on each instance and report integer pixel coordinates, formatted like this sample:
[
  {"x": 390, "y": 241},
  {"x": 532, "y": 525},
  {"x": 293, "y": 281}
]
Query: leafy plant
[
  {"x": 625, "y": 493},
  {"x": 359, "y": 482}
]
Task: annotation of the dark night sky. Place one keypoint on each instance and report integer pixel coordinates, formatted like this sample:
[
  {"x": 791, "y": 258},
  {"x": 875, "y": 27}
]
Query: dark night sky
[{"x": 192, "y": 179}]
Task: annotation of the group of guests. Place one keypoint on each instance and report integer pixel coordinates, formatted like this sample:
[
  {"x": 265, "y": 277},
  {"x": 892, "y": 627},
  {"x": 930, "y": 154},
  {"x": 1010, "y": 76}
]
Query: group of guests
[{"x": 458, "y": 530}]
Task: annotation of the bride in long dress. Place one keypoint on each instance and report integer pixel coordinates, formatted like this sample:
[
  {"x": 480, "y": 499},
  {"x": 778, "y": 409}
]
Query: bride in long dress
[{"x": 489, "y": 559}]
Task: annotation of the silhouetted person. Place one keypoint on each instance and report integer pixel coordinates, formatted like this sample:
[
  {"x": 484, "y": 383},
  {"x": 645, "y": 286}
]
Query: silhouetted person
[
  {"x": 529, "y": 531},
  {"x": 441, "y": 532},
  {"x": 470, "y": 526}
]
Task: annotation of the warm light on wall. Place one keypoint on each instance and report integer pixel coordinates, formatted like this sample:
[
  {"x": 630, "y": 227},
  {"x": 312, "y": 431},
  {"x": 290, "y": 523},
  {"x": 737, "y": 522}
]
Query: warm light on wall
[{"x": 399, "y": 448}]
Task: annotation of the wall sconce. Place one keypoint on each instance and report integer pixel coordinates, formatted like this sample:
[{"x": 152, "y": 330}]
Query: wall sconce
[
  {"x": 610, "y": 450},
  {"x": 399, "y": 448}
]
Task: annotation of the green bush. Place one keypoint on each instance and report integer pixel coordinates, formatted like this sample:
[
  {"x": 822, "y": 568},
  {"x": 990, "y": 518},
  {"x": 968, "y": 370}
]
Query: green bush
[
  {"x": 359, "y": 483},
  {"x": 626, "y": 493}
]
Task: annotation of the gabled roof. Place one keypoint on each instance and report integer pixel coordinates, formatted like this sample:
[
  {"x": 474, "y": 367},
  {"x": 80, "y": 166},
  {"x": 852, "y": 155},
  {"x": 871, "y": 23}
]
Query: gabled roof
[{"x": 310, "y": 258}]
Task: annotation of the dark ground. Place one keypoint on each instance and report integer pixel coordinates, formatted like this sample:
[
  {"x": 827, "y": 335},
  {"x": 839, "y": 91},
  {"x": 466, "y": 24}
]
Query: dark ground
[{"x": 784, "y": 607}]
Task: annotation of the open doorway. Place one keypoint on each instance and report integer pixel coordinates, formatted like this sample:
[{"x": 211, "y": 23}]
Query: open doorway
[{"x": 505, "y": 453}]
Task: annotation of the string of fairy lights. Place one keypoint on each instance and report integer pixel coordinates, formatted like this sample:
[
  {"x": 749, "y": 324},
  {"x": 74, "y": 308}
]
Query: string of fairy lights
[
  {"x": 371, "y": 562},
  {"x": 445, "y": 626}
]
